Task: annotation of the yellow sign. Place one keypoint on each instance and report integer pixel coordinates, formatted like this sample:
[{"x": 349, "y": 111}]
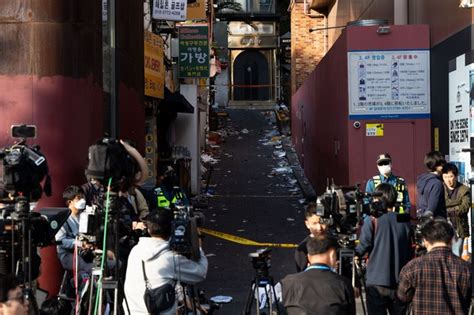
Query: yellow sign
[
  {"x": 374, "y": 130},
  {"x": 196, "y": 10},
  {"x": 154, "y": 67}
]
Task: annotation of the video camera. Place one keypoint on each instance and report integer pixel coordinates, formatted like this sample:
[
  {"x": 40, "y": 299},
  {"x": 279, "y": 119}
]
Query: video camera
[
  {"x": 343, "y": 209},
  {"x": 23, "y": 169},
  {"x": 261, "y": 260},
  {"x": 184, "y": 230}
]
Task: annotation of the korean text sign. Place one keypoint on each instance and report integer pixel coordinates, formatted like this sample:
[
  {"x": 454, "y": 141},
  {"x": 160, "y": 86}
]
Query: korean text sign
[
  {"x": 154, "y": 68},
  {"x": 193, "y": 52}
]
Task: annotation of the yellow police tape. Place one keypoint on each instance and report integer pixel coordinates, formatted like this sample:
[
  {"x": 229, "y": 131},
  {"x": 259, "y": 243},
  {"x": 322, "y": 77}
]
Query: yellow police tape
[{"x": 243, "y": 241}]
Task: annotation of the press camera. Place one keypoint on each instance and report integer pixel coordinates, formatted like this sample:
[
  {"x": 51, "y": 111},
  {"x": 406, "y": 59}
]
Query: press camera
[
  {"x": 261, "y": 260},
  {"x": 23, "y": 170}
]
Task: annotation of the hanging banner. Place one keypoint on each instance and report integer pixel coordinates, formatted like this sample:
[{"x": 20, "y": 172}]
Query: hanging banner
[
  {"x": 169, "y": 10},
  {"x": 389, "y": 84},
  {"x": 154, "y": 68},
  {"x": 193, "y": 61}
]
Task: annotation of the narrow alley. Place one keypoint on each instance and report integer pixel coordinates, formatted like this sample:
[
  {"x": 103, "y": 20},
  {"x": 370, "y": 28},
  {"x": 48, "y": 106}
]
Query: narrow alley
[{"x": 252, "y": 199}]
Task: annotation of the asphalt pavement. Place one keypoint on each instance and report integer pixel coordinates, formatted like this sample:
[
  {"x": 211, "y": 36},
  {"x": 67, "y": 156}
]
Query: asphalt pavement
[{"x": 253, "y": 198}]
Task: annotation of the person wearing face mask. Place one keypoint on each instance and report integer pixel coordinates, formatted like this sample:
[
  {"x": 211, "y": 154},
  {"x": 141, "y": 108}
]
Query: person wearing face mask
[
  {"x": 66, "y": 237},
  {"x": 384, "y": 165},
  {"x": 318, "y": 289}
]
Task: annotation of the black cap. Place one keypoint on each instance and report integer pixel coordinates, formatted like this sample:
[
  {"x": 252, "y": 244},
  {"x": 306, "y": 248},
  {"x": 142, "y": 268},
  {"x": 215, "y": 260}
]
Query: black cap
[{"x": 384, "y": 157}]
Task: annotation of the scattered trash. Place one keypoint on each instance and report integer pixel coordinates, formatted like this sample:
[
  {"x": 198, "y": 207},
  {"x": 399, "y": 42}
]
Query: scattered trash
[
  {"x": 282, "y": 170},
  {"x": 241, "y": 230},
  {"x": 290, "y": 219},
  {"x": 210, "y": 255},
  {"x": 206, "y": 158},
  {"x": 244, "y": 131},
  {"x": 302, "y": 201},
  {"x": 244, "y": 221}
]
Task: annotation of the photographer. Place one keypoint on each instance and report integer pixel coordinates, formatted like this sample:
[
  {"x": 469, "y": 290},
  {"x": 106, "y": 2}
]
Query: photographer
[
  {"x": 152, "y": 256},
  {"x": 315, "y": 227},
  {"x": 318, "y": 290},
  {"x": 74, "y": 197},
  {"x": 438, "y": 282},
  {"x": 388, "y": 244}
]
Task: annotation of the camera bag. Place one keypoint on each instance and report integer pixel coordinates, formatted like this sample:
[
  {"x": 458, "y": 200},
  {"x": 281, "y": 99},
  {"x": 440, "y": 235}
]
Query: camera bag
[{"x": 158, "y": 299}]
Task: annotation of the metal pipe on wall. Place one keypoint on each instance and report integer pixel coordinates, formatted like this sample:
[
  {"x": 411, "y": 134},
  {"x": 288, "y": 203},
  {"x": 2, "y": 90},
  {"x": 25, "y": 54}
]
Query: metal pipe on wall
[{"x": 400, "y": 12}]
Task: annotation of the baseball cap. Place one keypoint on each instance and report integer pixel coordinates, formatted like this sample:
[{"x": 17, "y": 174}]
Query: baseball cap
[{"x": 383, "y": 158}]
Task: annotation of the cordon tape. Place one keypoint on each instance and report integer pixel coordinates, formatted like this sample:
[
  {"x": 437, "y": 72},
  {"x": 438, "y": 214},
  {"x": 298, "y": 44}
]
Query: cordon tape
[{"x": 243, "y": 241}]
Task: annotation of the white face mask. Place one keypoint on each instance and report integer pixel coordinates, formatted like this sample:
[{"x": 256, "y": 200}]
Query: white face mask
[
  {"x": 385, "y": 169},
  {"x": 80, "y": 204}
]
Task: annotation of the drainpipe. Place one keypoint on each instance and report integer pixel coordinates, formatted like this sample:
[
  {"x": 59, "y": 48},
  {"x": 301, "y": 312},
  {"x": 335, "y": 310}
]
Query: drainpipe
[{"x": 400, "y": 12}]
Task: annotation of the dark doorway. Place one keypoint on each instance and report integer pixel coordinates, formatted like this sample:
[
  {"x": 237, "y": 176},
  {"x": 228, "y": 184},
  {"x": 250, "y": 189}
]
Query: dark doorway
[{"x": 251, "y": 70}]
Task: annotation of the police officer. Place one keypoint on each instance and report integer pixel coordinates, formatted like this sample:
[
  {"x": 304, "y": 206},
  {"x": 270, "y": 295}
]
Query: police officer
[
  {"x": 384, "y": 164},
  {"x": 169, "y": 193}
]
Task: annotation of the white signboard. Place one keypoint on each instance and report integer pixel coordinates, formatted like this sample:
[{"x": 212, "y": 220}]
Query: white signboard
[
  {"x": 170, "y": 10},
  {"x": 389, "y": 84},
  {"x": 460, "y": 122}
]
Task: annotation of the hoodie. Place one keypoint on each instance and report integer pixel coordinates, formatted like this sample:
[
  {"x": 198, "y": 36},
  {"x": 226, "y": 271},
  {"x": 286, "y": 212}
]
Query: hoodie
[
  {"x": 161, "y": 266},
  {"x": 430, "y": 195}
]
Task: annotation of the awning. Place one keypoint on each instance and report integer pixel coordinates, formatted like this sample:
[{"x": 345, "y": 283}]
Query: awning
[{"x": 176, "y": 102}]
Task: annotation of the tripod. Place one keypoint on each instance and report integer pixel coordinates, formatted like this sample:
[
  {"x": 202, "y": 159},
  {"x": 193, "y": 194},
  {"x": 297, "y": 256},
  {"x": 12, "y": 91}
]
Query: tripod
[
  {"x": 262, "y": 279},
  {"x": 352, "y": 269},
  {"x": 98, "y": 281}
]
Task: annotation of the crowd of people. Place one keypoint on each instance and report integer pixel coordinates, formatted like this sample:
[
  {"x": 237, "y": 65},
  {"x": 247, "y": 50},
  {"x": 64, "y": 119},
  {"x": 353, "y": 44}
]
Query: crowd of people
[{"x": 396, "y": 281}]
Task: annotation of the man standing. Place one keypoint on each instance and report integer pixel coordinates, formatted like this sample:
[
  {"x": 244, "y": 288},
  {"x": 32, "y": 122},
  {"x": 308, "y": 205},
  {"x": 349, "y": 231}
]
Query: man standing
[
  {"x": 318, "y": 290},
  {"x": 429, "y": 188},
  {"x": 388, "y": 244},
  {"x": 153, "y": 257},
  {"x": 457, "y": 204},
  {"x": 384, "y": 165},
  {"x": 438, "y": 282},
  {"x": 315, "y": 227}
]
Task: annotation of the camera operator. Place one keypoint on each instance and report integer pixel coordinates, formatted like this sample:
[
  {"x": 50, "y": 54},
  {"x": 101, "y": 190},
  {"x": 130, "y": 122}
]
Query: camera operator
[
  {"x": 438, "y": 282},
  {"x": 315, "y": 227},
  {"x": 153, "y": 256},
  {"x": 74, "y": 197},
  {"x": 429, "y": 188},
  {"x": 319, "y": 290},
  {"x": 457, "y": 204},
  {"x": 388, "y": 244},
  {"x": 384, "y": 165},
  {"x": 12, "y": 301}
]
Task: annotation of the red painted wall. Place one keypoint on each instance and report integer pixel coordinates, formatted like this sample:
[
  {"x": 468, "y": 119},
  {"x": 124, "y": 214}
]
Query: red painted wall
[{"x": 332, "y": 147}]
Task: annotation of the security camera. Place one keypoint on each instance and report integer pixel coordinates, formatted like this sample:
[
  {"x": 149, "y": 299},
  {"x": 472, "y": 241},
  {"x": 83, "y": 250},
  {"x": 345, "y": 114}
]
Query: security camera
[
  {"x": 356, "y": 124},
  {"x": 466, "y": 4}
]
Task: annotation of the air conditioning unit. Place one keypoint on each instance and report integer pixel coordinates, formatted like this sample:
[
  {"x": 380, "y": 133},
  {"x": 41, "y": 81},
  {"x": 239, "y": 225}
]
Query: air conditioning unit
[{"x": 466, "y": 4}]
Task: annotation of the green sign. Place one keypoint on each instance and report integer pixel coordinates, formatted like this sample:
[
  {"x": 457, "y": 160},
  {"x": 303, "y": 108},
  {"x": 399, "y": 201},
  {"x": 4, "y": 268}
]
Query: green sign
[{"x": 193, "y": 52}]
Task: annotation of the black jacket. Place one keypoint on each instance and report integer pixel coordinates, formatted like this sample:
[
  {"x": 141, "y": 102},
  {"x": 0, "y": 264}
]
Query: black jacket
[
  {"x": 430, "y": 195},
  {"x": 317, "y": 292},
  {"x": 301, "y": 255}
]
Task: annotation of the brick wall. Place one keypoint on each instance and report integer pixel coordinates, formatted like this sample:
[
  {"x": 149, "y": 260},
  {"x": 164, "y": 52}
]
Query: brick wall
[{"x": 307, "y": 48}]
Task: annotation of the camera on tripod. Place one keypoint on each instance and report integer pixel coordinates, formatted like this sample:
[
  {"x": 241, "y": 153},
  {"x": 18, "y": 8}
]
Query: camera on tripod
[
  {"x": 23, "y": 170},
  {"x": 261, "y": 260}
]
